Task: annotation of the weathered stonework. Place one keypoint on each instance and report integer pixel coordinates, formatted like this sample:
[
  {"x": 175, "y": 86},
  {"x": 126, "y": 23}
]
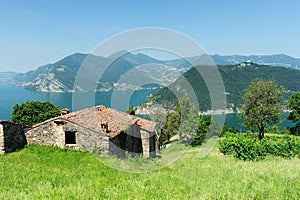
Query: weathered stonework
[
  {"x": 12, "y": 137},
  {"x": 148, "y": 141},
  {"x": 52, "y": 133},
  {"x": 99, "y": 129}
]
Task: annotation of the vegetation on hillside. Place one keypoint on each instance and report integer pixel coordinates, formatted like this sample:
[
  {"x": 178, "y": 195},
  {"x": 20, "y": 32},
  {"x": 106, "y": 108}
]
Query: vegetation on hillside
[
  {"x": 183, "y": 121},
  {"x": 236, "y": 80},
  {"x": 34, "y": 112},
  {"x": 51, "y": 173},
  {"x": 249, "y": 147}
]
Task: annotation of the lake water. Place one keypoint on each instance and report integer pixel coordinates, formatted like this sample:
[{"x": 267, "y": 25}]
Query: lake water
[
  {"x": 233, "y": 120},
  {"x": 11, "y": 94}
]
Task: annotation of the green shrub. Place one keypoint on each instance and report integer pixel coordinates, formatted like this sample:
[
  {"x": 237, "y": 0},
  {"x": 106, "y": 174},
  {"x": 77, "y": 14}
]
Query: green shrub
[
  {"x": 249, "y": 147},
  {"x": 295, "y": 130},
  {"x": 274, "y": 129},
  {"x": 242, "y": 146}
]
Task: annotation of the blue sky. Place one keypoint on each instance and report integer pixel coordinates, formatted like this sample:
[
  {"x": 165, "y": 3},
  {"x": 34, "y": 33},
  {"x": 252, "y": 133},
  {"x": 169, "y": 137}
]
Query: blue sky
[{"x": 37, "y": 32}]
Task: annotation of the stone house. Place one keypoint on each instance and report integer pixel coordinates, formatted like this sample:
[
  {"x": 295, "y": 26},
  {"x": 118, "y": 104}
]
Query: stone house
[
  {"x": 97, "y": 129},
  {"x": 12, "y": 137}
]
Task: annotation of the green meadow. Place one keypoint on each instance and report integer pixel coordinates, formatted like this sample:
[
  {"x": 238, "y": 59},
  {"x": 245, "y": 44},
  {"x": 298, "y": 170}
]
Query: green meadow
[{"x": 37, "y": 172}]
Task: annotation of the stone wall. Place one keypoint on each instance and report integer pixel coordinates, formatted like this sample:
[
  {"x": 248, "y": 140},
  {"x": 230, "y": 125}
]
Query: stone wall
[
  {"x": 134, "y": 141},
  {"x": 52, "y": 133},
  {"x": 12, "y": 137},
  {"x": 148, "y": 141}
]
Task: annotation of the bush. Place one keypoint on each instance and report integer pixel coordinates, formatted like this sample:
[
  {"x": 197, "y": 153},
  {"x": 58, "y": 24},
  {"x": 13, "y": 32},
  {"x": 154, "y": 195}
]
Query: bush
[
  {"x": 295, "y": 130},
  {"x": 274, "y": 129},
  {"x": 34, "y": 112},
  {"x": 249, "y": 147}
]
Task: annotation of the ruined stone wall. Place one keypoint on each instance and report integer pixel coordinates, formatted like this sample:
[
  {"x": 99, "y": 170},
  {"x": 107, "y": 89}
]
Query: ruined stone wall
[
  {"x": 89, "y": 140},
  {"x": 134, "y": 141},
  {"x": 148, "y": 142},
  {"x": 48, "y": 134},
  {"x": 12, "y": 137},
  {"x": 152, "y": 138},
  {"x": 53, "y": 133}
]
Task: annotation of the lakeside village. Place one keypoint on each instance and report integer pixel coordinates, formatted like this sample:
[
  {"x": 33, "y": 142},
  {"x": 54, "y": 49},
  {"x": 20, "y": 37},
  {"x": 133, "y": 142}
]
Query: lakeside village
[{"x": 148, "y": 109}]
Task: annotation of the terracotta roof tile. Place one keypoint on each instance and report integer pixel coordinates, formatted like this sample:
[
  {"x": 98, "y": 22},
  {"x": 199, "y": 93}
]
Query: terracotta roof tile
[{"x": 100, "y": 118}]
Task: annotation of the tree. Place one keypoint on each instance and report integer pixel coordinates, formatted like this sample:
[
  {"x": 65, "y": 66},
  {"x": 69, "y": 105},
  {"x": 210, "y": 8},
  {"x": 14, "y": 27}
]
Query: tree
[
  {"x": 294, "y": 105},
  {"x": 33, "y": 112},
  {"x": 202, "y": 129},
  {"x": 172, "y": 125},
  {"x": 188, "y": 119},
  {"x": 130, "y": 110},
  {"x": 159, "y": 117},
  {"x": 262, "y": 105}
]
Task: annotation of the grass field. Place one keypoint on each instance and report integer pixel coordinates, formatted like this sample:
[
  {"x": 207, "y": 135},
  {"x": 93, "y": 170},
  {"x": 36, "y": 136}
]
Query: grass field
[{"x": 51, "y": 173}]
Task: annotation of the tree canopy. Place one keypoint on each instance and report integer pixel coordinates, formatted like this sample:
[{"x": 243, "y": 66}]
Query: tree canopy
[
  {"x": 294, "y": 106},
  {"x": 262, "y": 105},
  {"x": 188, "y": 119},
  {"x": 33, "y": 112}
]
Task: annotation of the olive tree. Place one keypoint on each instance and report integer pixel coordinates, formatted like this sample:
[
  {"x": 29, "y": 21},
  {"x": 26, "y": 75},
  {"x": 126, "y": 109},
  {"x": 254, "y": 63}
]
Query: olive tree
[{"x": 262, "y": 105}]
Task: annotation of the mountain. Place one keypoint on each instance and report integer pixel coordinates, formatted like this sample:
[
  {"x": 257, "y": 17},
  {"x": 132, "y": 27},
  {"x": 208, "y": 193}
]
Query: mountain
[
  {"x": 56, "y": 77},
  {"x": 127, "y": 71},
  {"x": 236, "y": 79},
  {"x": 4, "y": 76},
  {"x": 60, "y": 76},
  {"x": 281, "y": 60}
]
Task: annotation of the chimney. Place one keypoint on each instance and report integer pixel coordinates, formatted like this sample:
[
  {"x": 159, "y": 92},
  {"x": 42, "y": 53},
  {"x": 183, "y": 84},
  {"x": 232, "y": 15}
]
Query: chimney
[{"x": 64, "y": 111}]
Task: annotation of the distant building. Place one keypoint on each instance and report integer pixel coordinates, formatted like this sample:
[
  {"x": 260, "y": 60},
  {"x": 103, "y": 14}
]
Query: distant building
[
  {"x": 100, "y": 129},
  {"x": 246, "y": 63},
  {"x": 12, "y": 137}
]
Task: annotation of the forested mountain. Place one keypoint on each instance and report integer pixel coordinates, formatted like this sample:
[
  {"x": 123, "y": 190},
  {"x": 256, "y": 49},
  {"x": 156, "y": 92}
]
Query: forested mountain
[{"x": 236, "y": 79}]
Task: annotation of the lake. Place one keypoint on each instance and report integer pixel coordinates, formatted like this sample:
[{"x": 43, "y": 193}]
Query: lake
[
  {"x": 12, "y": 94},
  {"x": 233, "y": 120}
]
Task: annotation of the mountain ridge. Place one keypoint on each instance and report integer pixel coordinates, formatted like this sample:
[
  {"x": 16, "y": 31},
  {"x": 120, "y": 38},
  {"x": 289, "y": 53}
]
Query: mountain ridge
[{"x": 60, "y": 75}]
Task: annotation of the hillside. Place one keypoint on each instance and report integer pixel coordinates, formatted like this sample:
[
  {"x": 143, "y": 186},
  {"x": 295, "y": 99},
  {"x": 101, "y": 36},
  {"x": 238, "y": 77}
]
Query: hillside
[
  {"x": 60, "y": 76},
  {"x": 52, "y": 173},
  {"x": 236, "y": 79}
]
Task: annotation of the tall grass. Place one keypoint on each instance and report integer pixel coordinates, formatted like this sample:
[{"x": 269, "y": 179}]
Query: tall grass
[{"x": 51, "y": 173}]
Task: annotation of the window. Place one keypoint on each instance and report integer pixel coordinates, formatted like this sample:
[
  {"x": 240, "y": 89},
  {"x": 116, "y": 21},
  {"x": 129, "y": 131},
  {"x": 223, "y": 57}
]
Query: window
[{"x": 70, "y": 137}]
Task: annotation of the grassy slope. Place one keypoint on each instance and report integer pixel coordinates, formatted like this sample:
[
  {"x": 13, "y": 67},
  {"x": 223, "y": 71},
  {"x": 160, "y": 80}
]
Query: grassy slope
[{"x": 51, "y": 173}]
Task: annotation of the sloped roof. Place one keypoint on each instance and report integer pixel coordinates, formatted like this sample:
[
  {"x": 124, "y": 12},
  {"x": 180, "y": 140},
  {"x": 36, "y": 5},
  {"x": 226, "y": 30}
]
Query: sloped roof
[{"x": 94, "y": 118}]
